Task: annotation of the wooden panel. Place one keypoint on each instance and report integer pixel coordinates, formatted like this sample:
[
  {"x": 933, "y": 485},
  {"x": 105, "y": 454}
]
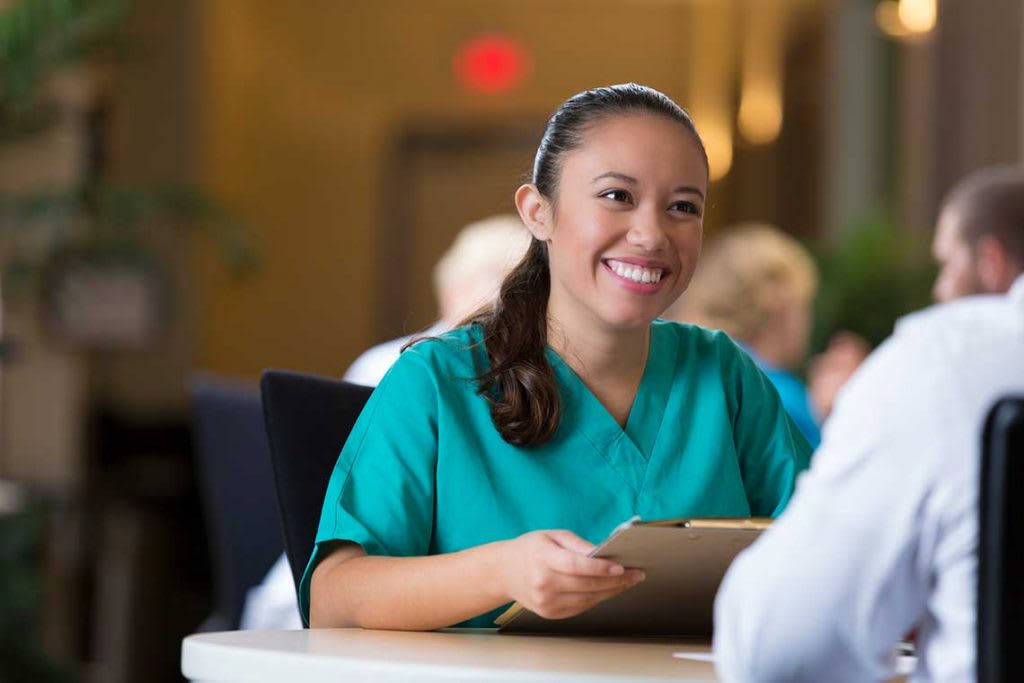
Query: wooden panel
[{"x": 303, "y": 107}]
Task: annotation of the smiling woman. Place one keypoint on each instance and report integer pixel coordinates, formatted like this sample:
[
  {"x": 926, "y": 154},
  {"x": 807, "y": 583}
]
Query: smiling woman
[
  {"x": 616, "y": 167},
  {"x": 490, "y": 458}
]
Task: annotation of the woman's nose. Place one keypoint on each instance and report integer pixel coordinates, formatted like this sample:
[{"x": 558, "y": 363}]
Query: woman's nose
[{"x": 647, "y": 232}]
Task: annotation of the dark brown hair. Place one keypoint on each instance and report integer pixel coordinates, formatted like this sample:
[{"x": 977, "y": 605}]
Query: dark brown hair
[
  {"x": 991, "y": 202},
  {"x": 520, "y": 383}
]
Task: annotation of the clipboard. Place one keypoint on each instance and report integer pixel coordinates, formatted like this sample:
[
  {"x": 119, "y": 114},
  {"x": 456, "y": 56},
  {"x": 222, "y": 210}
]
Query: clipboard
[{"x": 684, "y": 560}]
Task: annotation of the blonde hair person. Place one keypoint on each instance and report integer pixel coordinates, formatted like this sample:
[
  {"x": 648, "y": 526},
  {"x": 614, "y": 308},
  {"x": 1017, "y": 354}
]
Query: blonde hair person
[
  {"x": 757, "y": 284},
  {"x": 471, "y": 270},
  {"x": 467, "y": 276}
]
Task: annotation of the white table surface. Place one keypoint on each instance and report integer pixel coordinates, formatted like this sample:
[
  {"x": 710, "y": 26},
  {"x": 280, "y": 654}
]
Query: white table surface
[{"x": 355, "y": 655}]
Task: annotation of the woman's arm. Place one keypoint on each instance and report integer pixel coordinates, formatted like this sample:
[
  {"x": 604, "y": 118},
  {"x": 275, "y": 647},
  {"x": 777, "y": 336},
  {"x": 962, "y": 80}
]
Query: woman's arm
[{"x": 546, "y": 571}]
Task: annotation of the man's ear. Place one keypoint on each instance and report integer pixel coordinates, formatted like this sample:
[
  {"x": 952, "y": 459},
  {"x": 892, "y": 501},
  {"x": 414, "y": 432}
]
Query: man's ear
[
  {"x": 535, "y": 211},
  {"x": 996, "y": 270}
]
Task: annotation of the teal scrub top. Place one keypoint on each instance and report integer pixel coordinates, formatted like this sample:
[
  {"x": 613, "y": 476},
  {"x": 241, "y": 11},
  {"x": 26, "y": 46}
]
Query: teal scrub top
[{"x": 425, "y": 472}]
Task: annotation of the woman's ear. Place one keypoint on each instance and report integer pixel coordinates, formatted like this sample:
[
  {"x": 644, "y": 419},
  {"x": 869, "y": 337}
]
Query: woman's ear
[{"x": 535, "y": 211}]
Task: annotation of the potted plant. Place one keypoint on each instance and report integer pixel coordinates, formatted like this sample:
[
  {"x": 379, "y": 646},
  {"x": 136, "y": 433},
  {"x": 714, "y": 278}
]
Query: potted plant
[{"x": 83, "y": 247}]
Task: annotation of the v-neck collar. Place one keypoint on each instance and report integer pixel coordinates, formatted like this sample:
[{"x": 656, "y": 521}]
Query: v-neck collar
[
  {"x": 627, "y": 450},
  {"x": 648, "y": 412}
]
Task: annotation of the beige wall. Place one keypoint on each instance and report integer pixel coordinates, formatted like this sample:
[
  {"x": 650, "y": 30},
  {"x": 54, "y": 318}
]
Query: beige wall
[
  {"x": 43, "y": 389},
  {"x": 151, "y": 142},
  {"x": 292, "y": 114},
  {"x": 961, "y": 101},
  {"x": 300, "y": 103}
]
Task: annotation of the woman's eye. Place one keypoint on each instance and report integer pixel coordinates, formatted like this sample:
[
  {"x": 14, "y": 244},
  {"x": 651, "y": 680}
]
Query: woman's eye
[
  {"x": 686, "y": 207},
  {"x": 617, "y": 195}
]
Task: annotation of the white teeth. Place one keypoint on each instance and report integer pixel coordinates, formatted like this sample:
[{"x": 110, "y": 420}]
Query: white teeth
[{"x": 636, "y": 273}]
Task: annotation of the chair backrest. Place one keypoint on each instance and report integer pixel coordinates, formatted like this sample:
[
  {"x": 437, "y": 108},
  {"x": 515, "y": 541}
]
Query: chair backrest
[
  {"x": 308, "y": 420},
  {"x": 237, "y": 488},
  {"x": 1001, "y": 544}
]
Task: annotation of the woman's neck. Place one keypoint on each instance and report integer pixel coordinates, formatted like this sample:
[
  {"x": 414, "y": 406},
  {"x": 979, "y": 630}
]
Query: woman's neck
[
  {"x": 598, "y": 353},
  {"x": 610, "y": 362}
]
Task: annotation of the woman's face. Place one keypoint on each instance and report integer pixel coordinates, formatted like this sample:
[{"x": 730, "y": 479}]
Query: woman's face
[{"x": 627, "y": 224}]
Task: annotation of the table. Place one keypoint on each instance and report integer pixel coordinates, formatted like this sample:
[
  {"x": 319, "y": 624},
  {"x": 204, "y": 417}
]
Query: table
[{"x": 357, "y": 656}]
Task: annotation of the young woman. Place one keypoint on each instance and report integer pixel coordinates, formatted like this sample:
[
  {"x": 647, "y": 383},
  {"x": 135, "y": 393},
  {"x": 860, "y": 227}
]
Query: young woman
[{"x": 490, "y": 459}]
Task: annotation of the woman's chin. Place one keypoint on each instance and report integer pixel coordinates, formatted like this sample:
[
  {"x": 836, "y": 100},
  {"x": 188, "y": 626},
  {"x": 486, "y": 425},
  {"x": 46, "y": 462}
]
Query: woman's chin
[{"x": 628, "y": 320}]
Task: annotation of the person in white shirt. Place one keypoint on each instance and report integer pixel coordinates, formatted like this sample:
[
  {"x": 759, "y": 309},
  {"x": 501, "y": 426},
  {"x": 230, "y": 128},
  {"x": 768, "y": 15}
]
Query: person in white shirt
[
  {"x": 468, "y": 275},
  {"x": 881, "y": 536},
  {"x": 979, "y": 238}
]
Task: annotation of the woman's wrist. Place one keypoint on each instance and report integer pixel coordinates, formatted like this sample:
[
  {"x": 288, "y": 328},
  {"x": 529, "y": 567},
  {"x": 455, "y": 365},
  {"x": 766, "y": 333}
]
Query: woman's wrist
[{"x": 495, "y": 570}]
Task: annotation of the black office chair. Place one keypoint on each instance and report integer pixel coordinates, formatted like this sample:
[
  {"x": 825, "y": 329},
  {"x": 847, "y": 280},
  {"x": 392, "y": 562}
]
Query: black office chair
[
  {"x": 308, "y": 419},
  {"x": 1001, "y": 544},
  {"x": 237, "y": 488}
]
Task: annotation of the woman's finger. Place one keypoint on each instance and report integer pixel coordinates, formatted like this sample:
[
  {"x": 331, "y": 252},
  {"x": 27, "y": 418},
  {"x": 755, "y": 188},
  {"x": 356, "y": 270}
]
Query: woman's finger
[
  {"x": 571, "y": 583},
  {"x": 571, "y": 541},
  {"x": 568, "y": 562}
]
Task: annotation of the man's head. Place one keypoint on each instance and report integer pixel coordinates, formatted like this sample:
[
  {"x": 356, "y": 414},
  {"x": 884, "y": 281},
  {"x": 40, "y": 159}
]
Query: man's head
[{"x": 979, "y": 238}]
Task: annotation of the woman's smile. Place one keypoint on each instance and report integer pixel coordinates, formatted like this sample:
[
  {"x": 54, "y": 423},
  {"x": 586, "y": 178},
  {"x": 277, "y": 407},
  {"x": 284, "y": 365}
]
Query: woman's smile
[{"x": 639, "y": 276}]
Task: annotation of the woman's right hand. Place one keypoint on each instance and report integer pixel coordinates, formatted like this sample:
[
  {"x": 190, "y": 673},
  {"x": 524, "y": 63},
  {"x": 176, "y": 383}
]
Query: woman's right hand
[{"x": 550, "y": 574}]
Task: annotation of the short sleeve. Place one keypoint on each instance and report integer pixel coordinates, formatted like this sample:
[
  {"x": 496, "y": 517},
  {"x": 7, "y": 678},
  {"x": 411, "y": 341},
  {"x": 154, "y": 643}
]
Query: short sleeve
[
  {"x": 771, "y": 450},
  {"x": 381, "y": 492}
]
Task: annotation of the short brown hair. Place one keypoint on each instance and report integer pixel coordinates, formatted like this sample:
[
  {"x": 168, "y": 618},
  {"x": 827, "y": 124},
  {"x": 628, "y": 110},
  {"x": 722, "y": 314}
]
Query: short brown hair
[{"x": 991, "y": 202}]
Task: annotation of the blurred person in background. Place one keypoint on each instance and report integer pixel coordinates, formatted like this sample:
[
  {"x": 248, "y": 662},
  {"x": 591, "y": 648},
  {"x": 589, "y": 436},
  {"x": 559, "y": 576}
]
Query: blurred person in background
[
  {"x": 829, "y": 370},
  {"x": 757, "y": 284},
  {"x": 979, "y": 238},
  {"x": 882, "y": 536},
  {"x": 466, "y": 277}
]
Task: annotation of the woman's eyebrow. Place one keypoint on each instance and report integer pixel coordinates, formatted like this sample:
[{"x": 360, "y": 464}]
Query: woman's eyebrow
[
  {"x": 688, "y": 189},
  {"x": 619, "y": 176}
]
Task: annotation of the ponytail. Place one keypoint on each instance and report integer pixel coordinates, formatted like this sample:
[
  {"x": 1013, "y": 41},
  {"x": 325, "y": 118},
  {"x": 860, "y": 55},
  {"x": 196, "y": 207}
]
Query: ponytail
[{"x": 520, "y": 383}]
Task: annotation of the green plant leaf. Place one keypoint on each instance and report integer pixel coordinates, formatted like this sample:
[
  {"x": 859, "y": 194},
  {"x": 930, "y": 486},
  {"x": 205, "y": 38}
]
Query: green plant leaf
[{"x": 875, "y": 274}]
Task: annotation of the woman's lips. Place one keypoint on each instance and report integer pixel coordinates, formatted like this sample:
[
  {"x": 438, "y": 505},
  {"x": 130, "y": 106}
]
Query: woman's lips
[{"x": 643, "y": 277}]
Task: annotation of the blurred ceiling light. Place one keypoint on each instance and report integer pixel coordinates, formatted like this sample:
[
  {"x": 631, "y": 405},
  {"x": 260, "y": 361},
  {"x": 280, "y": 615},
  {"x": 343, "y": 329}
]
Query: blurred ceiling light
[
  {"x": 712, "y": 58},
  {"x": 717, "y": 136},
  {"x": 760, "y": 118},
  {"x": 918, "y": 15},
  {"x": 491, "y": 64},
  {"x": 760, "y": 114},
  {"x": 905, "y": 19}
]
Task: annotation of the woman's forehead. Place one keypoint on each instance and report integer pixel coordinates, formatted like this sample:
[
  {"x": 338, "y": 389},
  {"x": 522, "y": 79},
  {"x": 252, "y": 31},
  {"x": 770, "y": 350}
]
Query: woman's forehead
[{"x": 642, "y": 146}]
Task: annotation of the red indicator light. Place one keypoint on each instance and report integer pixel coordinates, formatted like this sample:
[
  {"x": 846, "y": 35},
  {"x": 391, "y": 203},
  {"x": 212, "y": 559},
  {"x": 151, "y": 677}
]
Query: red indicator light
[{"x": 491, "y": 64}]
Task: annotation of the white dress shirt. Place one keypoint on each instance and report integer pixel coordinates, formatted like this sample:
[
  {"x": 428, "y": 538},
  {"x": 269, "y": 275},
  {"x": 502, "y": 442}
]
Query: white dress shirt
[
  {"x": 369, "y": 369},
  {"x": 881, "y": 535},
  {"x": 272, "y": 603}
]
